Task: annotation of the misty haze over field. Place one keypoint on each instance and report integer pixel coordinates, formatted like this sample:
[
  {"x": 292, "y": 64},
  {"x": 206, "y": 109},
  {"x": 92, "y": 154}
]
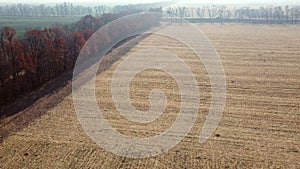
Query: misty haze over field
[{"x": 185, "y": 2}]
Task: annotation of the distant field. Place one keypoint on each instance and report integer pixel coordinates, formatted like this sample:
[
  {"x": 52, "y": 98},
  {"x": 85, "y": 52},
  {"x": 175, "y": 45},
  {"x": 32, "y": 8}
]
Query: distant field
[
  {"x": 21, "y": 24},
  {"x": 260, "y": 127}
]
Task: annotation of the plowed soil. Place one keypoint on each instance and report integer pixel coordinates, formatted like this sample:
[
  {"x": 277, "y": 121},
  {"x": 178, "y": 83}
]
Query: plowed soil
[{"x": 260, "y": 127}]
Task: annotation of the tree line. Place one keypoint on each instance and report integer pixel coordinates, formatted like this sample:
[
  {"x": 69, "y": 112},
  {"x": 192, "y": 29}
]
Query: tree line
[
  {"x": 205, "y": 13},
  {"x": 42, "y": 55},
  {"x": 222, "y": 13},
  {"x": 63, "y": 9},
  {"x": 69, "y": 9}
]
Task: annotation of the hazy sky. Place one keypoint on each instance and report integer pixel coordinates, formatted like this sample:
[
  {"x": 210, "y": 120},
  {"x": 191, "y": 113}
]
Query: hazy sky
[{"x": 146, "y": 1}]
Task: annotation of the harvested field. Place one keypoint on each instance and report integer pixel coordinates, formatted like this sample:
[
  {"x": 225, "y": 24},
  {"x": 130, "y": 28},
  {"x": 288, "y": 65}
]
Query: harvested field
[{"x": 260, "y": 127}]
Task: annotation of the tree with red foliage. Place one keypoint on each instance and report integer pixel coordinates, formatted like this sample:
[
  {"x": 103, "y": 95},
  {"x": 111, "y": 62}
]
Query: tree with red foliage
[
  {"x": 14, "y": 63},
  {"x": 47, "y": 48},
  {"x": 76, "y": 46},
  {"x": 10, "y": 47},
  {"x": 87, "y": 33},
  {"x": 58, "y": 47},
  {"x": 34, "y": 46}
]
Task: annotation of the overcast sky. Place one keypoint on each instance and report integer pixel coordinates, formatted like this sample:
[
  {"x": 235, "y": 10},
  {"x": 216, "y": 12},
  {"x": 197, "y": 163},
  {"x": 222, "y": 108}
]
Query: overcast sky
[{"x": 146, "y": 1}]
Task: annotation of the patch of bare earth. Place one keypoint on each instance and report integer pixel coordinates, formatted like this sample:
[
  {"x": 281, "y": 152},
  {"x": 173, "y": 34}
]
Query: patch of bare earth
[{"x": 260, "y": 127}]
